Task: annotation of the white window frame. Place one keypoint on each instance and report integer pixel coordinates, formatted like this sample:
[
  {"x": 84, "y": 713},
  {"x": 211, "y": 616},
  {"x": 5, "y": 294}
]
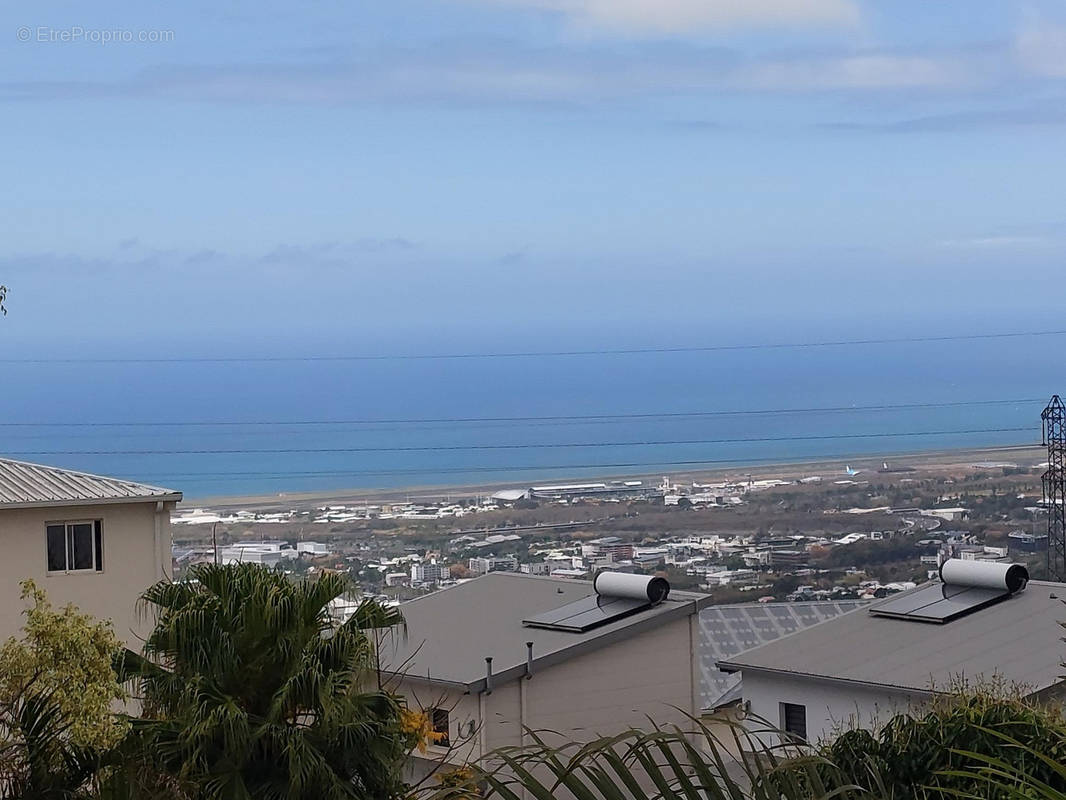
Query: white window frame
[{"x": 68, "y": 542}]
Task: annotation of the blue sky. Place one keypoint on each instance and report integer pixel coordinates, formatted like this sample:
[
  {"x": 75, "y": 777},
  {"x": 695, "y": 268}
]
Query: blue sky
[{"x": 419, "y": 172}]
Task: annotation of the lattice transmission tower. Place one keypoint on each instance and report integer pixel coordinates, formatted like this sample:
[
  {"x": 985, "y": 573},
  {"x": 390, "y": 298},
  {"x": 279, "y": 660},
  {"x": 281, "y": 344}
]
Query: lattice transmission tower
[{"x": 1054, "y": 480}]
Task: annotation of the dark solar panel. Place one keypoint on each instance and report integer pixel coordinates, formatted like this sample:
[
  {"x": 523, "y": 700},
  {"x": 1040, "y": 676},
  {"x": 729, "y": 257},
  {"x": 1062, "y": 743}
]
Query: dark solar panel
[
  {"x": 587, "y": 613},
  {"x": 939, "y": 603},
  {"x": 727, "y": 631}
]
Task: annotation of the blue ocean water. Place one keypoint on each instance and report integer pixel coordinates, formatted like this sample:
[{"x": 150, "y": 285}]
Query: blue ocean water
[{"x": 43, "y": 407}]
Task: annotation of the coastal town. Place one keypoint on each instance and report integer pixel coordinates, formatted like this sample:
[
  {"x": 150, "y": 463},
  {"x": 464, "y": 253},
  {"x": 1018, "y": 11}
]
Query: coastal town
[
  {"x": 845, "y": 532},
  {"x": 533, "y": 400}
]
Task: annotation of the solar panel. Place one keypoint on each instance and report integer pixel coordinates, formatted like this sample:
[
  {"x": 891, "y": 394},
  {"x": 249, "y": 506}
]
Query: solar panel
[
  {"x": 939, "y": 603},
  {"x": 587, "y": 613},
  {"x": 728, "y": 630}
]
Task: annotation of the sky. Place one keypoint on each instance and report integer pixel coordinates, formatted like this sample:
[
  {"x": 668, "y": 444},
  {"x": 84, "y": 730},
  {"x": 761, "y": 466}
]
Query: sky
[{"x": 417, "y": 175}]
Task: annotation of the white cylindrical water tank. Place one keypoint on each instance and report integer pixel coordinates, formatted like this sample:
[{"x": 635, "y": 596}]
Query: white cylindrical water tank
[
  {"x": 637, "y": 587},
  {"x": 984, "y": 574}
]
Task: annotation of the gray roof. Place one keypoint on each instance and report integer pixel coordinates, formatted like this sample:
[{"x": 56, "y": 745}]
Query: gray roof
[
  {"x": 726, "y": 631},
  {"x": 24, "y": 485},
  {"x": 451, "y": 632},
  {"x": 1017, "y": 639}
]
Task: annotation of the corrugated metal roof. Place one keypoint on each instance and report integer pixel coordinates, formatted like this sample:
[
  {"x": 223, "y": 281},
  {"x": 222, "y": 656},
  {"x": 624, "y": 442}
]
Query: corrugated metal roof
[
  {"x": 25, "y": 485},
  {"x": 729, "y": 630},
  {"x": 1018, "y": 640},
  {"x": 489, "y": 610}
]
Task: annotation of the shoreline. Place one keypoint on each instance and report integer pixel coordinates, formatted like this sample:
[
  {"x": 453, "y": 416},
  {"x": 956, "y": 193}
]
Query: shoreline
[{"x": 1023, "y": 454}]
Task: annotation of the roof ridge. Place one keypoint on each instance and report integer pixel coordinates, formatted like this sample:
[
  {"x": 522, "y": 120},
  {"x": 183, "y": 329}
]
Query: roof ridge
[
  {"x": 83, "y": 474},
  {"x": 24, "y": 484}
]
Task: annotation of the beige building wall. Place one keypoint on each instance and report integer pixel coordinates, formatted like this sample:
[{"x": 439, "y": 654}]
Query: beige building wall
[
  {"x": 602, "y": 692},
  {"x": 650, "y": 674},
  {"x": 136, "y": 553}
]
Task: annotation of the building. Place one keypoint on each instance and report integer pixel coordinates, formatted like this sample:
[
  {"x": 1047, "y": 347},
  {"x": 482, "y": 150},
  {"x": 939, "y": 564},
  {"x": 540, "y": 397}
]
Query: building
[
  {"x": 790, "y": 559},
  {"x": 511, "y": 495},
  {"x": 511, "y": 666},
  {"x": 733, "y": 577},
  {"x": 482, "y": 565},
  {"x": 611, "y": 548},
  {"x": 563, "y": 572},
  {"x": 1027, "y": 542},
  {"x": 430, "y": 572},
  {"x": 267, "y": 554},
  {"x": 948, "y": 514},
  {"x": 93, "y": 541},
  {"x": 312, "y": 549},
  {"x": 728, "y": 630},
  {"x": 867, "y": 665},
  {"x": 649, "y": 559}
]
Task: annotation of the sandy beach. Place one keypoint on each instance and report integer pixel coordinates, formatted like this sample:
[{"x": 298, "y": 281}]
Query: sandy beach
[{"x": 1027, "y": 455}]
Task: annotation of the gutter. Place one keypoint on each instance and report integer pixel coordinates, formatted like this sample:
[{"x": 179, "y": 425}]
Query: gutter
[
  {"x": 634, "y": 625},
  {"x": 174, "y": 497},
  {"x": 730, "y": 667}
]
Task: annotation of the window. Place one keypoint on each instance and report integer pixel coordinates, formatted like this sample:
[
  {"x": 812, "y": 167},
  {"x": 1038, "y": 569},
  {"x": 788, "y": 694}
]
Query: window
[
  {"x": 794, "y": 720},
  {"x": 75, "y": 547},
  {"x": 438, "y": 717}
]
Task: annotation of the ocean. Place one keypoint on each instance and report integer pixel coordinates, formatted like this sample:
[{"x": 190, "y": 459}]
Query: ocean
[{"x": 396, "y": 423}]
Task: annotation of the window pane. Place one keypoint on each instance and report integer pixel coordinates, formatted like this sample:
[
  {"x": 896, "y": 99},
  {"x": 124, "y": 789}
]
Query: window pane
[
  {"x": 441, "y": 727},
  {"x": 57, "y": 548},
  {"x": 795, "y": 719},
  {"x": 99, "y": 546},
  {"x": 81, "y": 546}
]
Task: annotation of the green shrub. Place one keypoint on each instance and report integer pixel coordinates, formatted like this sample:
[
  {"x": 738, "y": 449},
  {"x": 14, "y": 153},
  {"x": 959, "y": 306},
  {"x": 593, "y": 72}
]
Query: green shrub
[{"x": 937, "y": 752}]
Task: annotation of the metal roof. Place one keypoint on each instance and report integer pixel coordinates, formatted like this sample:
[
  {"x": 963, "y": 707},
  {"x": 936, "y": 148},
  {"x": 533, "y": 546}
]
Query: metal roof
[
  {"x": 24, "y": 485},
  {"x": 1017, "y": 640},
  {"x": 452, "y": 631},
  {"x": 726, "y": 631}
]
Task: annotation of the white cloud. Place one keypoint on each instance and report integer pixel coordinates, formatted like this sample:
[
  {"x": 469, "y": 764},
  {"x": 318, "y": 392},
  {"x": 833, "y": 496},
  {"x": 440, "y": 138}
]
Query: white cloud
[
  {"x": 995, "y": 242},
  {"x": 873, "y": 71},
  {"x": 498, "y": 74},
  {"x": 1041, "y": 49},
  {"x": 683, "y": 16}
]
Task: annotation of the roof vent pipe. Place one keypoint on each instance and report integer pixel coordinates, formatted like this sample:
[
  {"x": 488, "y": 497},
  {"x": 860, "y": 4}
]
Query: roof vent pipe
[
  {"x": 488, "y": 675},
  {"x": 529, "y": 660}
]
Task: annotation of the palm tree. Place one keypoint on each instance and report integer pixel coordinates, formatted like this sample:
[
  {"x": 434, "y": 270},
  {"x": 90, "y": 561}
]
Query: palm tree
[
  {"x": 37, "y": 758},
  {"x": 660, "y": 763},
  {"x": 251, "y": 690}
]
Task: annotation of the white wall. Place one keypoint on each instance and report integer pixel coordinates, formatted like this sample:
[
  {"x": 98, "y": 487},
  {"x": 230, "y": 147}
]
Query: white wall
[
  {"x": 135, "y": 555},
  {"x": 830, "y": 706}
]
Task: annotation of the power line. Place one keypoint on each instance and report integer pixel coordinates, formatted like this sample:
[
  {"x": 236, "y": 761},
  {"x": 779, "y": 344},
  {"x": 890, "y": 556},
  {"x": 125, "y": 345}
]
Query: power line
[
  {"x": 532, "y": 354},
  {"x": 524, "y": 446},
  {"x": 521, "y": 419}
]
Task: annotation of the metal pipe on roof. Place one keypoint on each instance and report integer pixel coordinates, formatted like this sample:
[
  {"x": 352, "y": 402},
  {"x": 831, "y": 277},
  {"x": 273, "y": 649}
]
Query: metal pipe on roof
[
  {"x": 488, "y": 674},
  {"x": 529, "y": 660},
  {"x": 523, "y": 704}
]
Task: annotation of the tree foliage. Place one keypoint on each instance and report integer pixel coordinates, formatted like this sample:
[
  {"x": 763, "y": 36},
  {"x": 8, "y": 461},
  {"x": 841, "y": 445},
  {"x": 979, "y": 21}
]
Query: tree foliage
[
  {"x": 251, "y": 690},
  {"x": 66, "y": 656},
  {"x": 56, "y": 691},
  {"x": 38, "y": 759},
  {"x": 663, "y": 763},
  {"x": 937, "y": 753}
]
